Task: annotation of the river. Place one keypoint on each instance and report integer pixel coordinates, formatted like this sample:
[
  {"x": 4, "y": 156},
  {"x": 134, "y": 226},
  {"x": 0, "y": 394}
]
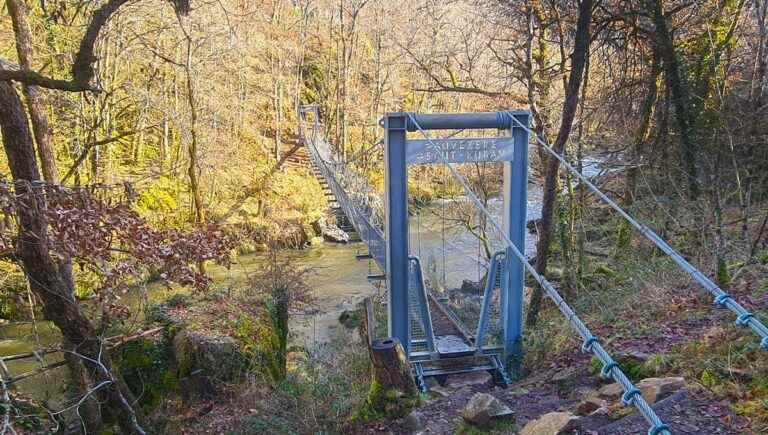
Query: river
[{"x": 339, "y": 283}]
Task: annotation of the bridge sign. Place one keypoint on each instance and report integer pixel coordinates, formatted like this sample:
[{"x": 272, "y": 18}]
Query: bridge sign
[{"x": 460, "y": 150}]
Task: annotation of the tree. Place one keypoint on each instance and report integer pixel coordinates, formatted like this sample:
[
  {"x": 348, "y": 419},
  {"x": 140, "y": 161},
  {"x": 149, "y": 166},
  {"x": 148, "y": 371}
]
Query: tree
[{"x": 578, "y": 62}]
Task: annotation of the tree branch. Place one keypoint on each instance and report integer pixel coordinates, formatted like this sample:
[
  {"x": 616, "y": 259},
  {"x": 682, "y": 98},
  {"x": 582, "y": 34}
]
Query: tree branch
[{"x": 82, "y": 68}]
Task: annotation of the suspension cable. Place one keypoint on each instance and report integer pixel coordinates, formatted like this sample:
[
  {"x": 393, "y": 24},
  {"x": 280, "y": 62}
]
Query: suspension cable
[
  {"x": 362, "y": 153},
  {"x": 611, "y": 369},
  {"x": 722, "y": 299}
]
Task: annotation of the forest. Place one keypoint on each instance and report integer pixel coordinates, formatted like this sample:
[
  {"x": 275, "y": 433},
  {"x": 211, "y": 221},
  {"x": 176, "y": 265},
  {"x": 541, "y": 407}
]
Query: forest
[{"x": 172, "y": 260}]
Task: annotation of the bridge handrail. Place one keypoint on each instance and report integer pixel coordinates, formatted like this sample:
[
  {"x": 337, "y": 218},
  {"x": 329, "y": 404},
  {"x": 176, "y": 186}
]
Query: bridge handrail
[
  {"x": 611, "y": 368},
  {"x": 362, "y": 214},
  {"x": 421, "y": 294}
]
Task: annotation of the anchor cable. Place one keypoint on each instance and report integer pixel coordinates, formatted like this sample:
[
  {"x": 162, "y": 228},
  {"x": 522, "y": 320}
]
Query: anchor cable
[
  {"x": 611, "y": 368},
  {"x": 722, "y": 299}
]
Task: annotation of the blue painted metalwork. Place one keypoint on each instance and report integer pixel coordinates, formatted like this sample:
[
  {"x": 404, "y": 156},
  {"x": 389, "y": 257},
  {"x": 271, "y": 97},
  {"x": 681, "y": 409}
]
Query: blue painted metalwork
[
  {"x": 396, "y": 226},
  {"x": 356, "y": 198},
  {"x": 458, "y": 121},
  {"x": 397, "y": 154},
  {"x": 461, "y": 150},
  {"x": 513, "y": 224},
  {"x": 514, "y": 194},
  {"x": 419, "y": 289},
  {"x": 498, "y": 262},
  {"x": 611, "y": 368}
]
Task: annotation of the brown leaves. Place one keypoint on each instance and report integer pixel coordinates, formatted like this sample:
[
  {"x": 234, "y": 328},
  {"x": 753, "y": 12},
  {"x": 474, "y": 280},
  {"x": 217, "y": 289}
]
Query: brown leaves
[{"x": 114, "y": 240}]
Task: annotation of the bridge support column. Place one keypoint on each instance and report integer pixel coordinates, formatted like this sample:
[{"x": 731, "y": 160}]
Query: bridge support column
[
  {"x": 396, "y": 231},
  {"x": 514, "y": 223}
]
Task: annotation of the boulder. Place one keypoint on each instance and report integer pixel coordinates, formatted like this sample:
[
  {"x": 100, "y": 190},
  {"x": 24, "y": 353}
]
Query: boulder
[
  {"x": 414, "y": 422},
  {"x": 329, "y": 231},
  {"x": 632, "y": 358},
  {"x": 611, "y": 391},
  {"x": 533, "y": 225},
  {"x": 554, "y": 423},
  {"x": 196, "y": 386},
  {"x": 205, "y": 355},
  {"x": 564, "y": 379},
  {"x": 590, "y": 404},
  {"x": 439, "y": 391},
  {"x": 468, "y": 286},
  {"x": 482, "y": 408},
  {"x": 655, "y": 389}
]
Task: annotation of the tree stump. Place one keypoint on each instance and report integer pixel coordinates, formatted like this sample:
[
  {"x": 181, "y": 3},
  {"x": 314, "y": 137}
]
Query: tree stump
[{"x": 393, "y": 392}]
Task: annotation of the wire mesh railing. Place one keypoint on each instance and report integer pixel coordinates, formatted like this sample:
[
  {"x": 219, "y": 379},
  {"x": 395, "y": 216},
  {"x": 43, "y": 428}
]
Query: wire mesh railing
[
  {"x": 361, "y": 205},
  {"x": 357, "y": 199}
]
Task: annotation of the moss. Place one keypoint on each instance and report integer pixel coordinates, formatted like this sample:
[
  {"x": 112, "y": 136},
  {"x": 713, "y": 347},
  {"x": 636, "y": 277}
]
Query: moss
[
  {"x": 763, "y": 257},
  {"x": 147, "y": 367},
  {"x": 603, "y": 269},
  {"x": 386, "y": 404},
  {"x": 723, "y": 274},
  {"x": 494, "y": 427},
  {"x": 623, "y": 236},
  {"x": 350, "y": 319}
]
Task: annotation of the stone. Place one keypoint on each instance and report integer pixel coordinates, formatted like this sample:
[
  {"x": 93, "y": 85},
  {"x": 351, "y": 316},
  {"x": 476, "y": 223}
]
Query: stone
[
  {"x": 655, "y": 389},
  {"x": 414, "y": 422},
  {"x": 533, "y": 225},
  {"x": 217, "y": 357},
  {"x": 196, "y": 386},
  {"x": 440, "y": 391},
  {"x": 563, "y": 379},
  {"x": 611, "y": 391},
  {"x": 468, "y": 379},
  {"x": 554, "y": 423},
  {"x": 632, "y": 357},
  {"x": 482, "y": 408},
  {"x": 329, "y": 231},
  {"x": 589, "y": 405},
  {"x": 468, "y": 286}
]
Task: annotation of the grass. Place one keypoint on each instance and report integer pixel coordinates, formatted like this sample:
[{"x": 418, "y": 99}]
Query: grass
[
  {"x": 635, "y": 295},
  {"x": 495, "y": 427},
  {"x": 324, "y": 387}
]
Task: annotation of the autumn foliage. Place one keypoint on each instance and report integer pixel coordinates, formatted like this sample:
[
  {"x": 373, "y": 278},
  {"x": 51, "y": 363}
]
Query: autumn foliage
[{"x": 112, "y": 238}]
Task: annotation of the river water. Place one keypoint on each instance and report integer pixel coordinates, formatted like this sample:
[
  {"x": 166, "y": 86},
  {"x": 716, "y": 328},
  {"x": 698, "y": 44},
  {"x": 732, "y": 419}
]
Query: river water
[{"x": 339, "y": 282}]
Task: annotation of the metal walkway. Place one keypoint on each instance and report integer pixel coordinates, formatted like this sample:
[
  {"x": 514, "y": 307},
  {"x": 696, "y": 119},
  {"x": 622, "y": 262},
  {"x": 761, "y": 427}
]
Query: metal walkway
[{"x": 439, "y": 343}]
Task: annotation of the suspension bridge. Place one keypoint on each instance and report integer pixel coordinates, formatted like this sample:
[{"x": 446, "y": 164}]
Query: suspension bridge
[{"x": 436, "y": 340}]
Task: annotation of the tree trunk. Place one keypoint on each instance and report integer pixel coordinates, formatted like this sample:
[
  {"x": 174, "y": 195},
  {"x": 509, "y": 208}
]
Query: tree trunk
[
  {"x": 46, "y": 278},
  {"x": 578, "y": 62},
  {"x": 42, "y": 133},
  {"x": 18, "y": 12},
  {"x": 761, "y": 63},
  {"x": 643, "y": 130},
  {"x": 678, "y": 85}
]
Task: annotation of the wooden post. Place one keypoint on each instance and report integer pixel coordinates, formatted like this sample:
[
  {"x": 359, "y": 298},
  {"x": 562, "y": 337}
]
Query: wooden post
[
  {"x": 367, "y": 323},
  {"x": 393, "y": 392}
]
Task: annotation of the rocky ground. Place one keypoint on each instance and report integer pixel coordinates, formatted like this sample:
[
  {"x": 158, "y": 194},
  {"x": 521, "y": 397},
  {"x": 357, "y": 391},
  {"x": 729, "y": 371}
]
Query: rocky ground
[
  {"x": 575, "y": 403},
  {"x": 567, "y": 396}
]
